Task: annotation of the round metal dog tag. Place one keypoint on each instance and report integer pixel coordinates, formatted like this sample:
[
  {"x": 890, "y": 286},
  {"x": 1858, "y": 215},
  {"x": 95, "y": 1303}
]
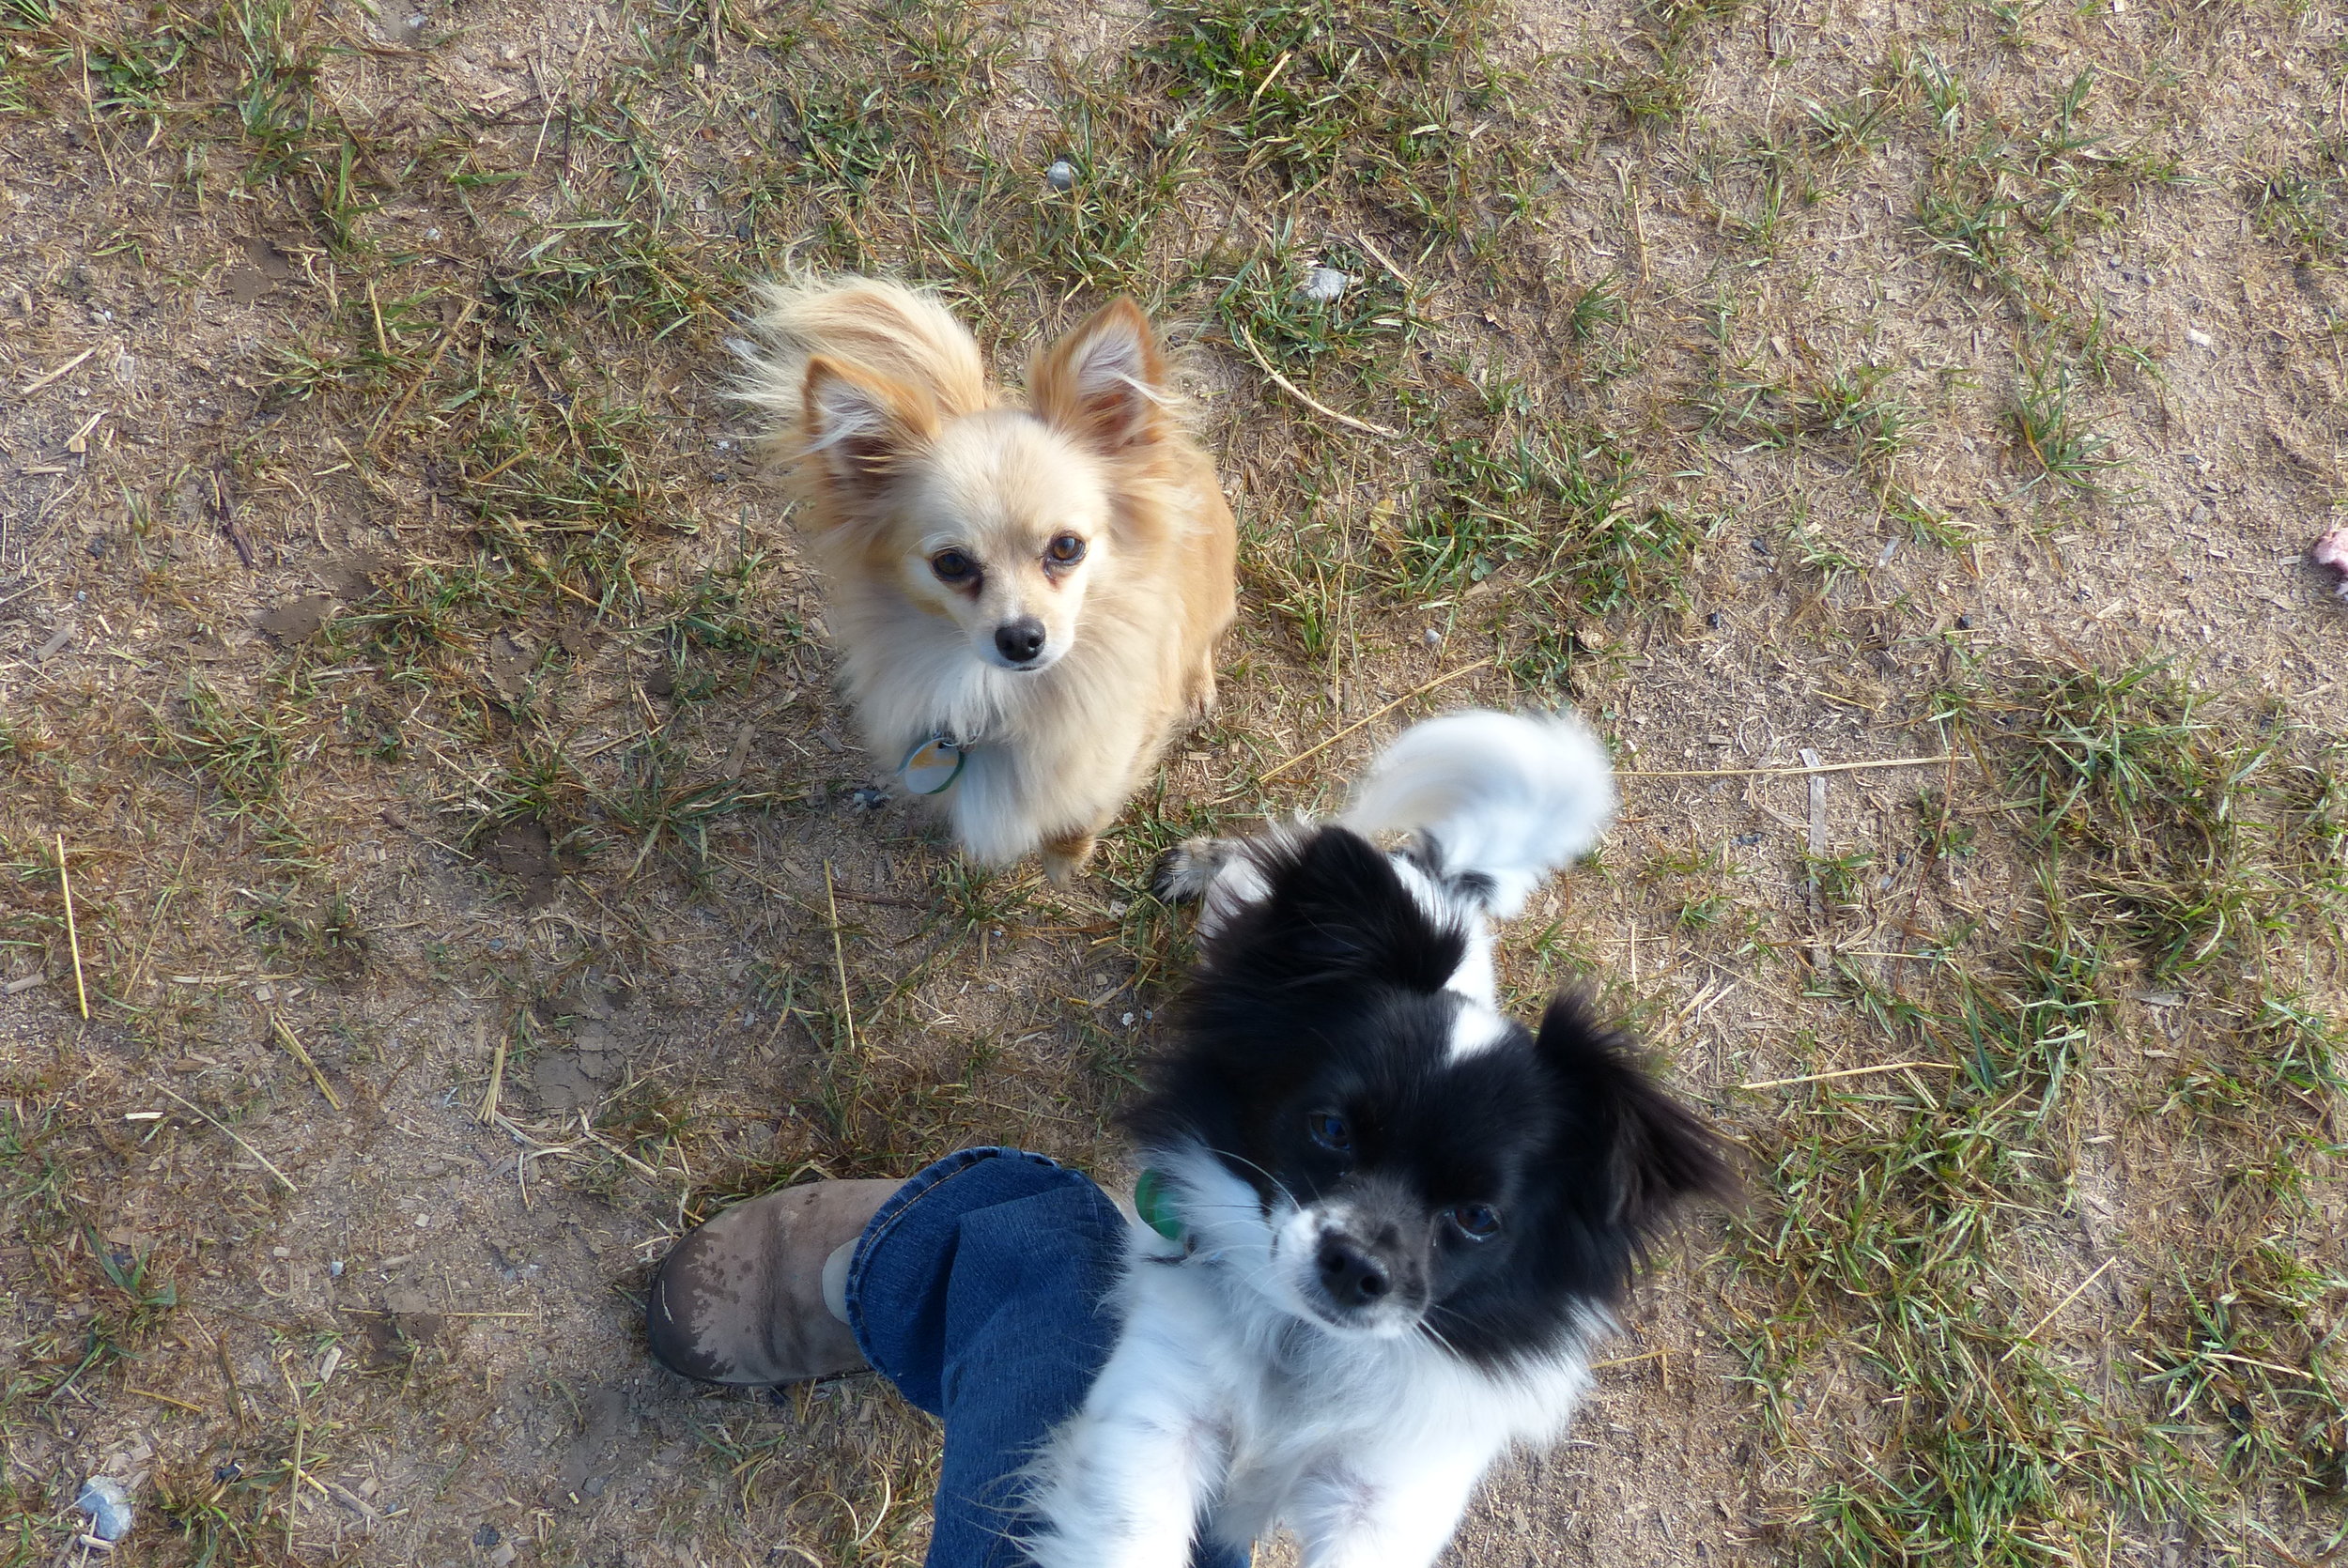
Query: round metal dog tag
[{"x": 929, "y": 768}]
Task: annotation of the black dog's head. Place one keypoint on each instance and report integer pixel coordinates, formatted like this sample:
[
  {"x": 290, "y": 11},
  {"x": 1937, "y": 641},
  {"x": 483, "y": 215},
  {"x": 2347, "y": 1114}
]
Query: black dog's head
[{"x": 1384, "y": 1156}]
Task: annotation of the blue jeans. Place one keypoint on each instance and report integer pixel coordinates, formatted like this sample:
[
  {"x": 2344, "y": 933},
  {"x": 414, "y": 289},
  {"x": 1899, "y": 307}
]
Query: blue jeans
[{"x": 980, "y": 1290}]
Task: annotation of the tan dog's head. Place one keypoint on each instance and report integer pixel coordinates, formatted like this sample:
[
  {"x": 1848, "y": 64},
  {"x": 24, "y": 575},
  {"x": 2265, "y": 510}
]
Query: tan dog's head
[{"x": 994, "y": 518}]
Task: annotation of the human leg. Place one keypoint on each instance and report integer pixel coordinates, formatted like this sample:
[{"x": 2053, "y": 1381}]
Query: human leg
[{"x": 979, "y": 1288}]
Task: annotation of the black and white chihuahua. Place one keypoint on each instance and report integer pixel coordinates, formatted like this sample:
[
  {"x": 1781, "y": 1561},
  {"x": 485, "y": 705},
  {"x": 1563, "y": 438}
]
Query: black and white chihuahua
[{"x": 1380, "y": 1224}]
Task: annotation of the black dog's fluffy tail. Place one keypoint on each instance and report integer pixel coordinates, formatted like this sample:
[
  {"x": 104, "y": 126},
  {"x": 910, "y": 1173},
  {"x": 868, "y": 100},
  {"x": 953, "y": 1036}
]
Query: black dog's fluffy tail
[{"x": 1506, "y": 797}]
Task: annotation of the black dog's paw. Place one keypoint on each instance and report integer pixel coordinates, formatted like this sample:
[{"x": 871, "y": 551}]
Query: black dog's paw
[{"x": 1184, "y": 872}]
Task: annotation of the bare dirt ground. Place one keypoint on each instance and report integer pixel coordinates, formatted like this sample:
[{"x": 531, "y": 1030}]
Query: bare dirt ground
[{"x": 472, "y": 884}]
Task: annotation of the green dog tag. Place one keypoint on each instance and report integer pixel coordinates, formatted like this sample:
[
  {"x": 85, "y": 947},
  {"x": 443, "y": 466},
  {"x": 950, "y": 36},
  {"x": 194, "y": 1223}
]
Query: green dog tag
[{"x": 1155, "y": 1207}]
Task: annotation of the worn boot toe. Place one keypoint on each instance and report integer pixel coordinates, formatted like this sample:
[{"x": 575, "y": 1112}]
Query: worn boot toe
[{"x": 741, "y": 1299}]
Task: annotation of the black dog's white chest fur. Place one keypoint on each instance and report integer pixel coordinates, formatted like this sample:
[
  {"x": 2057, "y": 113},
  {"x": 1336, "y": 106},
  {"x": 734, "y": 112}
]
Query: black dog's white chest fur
[{"x": 1402, "y": 1216}]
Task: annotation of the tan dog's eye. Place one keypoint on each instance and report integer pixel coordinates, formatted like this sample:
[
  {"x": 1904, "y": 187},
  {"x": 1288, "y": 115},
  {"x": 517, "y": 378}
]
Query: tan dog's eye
[
  {"x": 1066, "y": 550},
  {"x": 953, "y": 566}
]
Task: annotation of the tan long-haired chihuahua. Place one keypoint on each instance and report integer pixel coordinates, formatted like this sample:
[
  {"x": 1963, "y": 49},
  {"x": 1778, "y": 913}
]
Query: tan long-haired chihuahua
[{"x": 1026, "y": 597}]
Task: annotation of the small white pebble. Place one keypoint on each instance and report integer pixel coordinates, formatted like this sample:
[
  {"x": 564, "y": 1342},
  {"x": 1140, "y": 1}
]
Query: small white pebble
[
  {"x": 432, "y": 234},
  {"x": 109, "y": 1508},
  {"x": 1434, "y": 637},
  {"x": 2200, "y": 339},
  {"x": 1324, "y": 286},
  {"x": 1127, "y": 1020},
  {"x": 1061, "y": 175}
]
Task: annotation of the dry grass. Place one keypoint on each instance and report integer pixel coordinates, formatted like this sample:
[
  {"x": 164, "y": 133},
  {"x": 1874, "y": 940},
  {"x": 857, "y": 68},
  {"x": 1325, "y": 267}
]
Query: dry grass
[{"x": 471, "y": 884}]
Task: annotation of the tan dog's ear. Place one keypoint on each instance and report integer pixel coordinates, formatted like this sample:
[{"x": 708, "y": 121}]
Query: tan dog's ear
[
  {"x": 860, "y": 423},
  {"x": 1102, "y": 382}
]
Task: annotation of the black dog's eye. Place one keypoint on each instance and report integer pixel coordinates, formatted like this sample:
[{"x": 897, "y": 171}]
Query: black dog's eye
[
  {"x": 1330, "y": 1131},
  {"x": 1478, "y": 1222},
  {"x": 953, "y": 566},
  {"x": 1066, "y": 550}
]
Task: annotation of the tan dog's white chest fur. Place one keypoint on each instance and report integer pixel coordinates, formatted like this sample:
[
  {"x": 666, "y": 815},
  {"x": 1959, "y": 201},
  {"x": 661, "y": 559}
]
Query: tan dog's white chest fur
[{"x": 1044, "y": 583}]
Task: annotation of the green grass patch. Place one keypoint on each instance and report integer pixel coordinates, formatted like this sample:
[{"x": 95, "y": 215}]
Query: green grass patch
[{"x": 1914, "y": 1216}]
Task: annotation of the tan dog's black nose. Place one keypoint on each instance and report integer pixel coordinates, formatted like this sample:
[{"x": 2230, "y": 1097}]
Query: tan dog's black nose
[{"x": 1019, "y": 640}]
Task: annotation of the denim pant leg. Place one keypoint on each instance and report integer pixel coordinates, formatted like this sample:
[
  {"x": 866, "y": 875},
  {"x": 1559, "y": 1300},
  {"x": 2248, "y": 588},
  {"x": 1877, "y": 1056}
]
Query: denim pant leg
[{"x": 979, "y": 1291}]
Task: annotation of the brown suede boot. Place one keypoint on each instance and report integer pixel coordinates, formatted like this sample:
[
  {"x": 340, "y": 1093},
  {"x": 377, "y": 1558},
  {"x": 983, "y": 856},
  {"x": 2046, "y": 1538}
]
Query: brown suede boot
[{"x": 757, "y": 1295}]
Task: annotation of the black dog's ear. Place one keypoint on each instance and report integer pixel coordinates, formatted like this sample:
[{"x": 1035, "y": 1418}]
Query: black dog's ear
[
  {"x": 1337, "y": 910},
  {"x": 1659, "y": 1152}
]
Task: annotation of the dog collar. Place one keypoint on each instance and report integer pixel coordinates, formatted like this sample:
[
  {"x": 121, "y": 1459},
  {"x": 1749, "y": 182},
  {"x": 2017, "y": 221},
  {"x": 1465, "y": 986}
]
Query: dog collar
[
  {"x": 934, "y": 765},
  {"x": 1155, "y": 1206}
]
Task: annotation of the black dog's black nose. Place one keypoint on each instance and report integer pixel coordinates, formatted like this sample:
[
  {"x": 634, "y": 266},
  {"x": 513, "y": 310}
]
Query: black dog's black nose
[
  {"x": 1352, "y": 1276},
  {"x": 1020, "y": 641}
]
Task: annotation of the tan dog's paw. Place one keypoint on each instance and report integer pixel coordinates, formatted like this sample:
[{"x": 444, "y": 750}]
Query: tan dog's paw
[
  {"x": 1202, "y": 687},
  {"x": 1063, "y": 858}
]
